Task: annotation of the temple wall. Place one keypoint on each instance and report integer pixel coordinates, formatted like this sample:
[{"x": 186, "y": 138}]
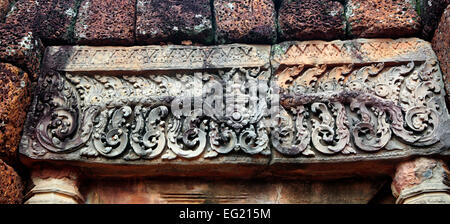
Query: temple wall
[
  {"x": 233, "y": 191},
  {"x": 398, "y": 50}
]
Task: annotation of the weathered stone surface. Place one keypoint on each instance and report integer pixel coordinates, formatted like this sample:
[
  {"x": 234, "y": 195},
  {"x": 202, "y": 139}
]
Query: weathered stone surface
[
  {"x": 382, "y": 18},
  {"x": 420, "y": 181},
  {"x": 311, "y": 19},
  {"x": 20, "y": 43},
  {"x": 236, "y": 21},
  {"x": 23, "y": 13},
  {"x": 311, "y": 53},
  {"x": 4, "y": 7},
  {"x": 56, "y": 20},
  {"x": 354, "y": 102},
  {"x": 346, "y": 90},
  {"x": 109, "y": 22},
  {"x": 21, "y": 46},
  {"x": 430, "y": 11},
  {"x": 54, "y": 185},
  {"x": 165, "y": 75},
  {"x": 14, "y": 100},
  {"x": 138, "y": 191},
  {"x": 173, "y": 21},
  {"x": 11, "y": 185},
  {"x": 441, "y": 45},
  {"x": 53, "y": 20}
]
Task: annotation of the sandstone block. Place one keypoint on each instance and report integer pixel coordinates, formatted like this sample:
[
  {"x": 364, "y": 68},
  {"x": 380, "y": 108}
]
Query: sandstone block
[
  {"x": 62, "y": 133},
  {"x": 11, "y": 185},
  {"x": 310, "y": 19},
  {"x": 132, "y": 191},
  {"x": 109, "y": 22},
  {"x": 173, "y": 21},
  {"x": 382, "y": 18},
  {"x": 357, "y": 77},
  {"x": 422, "y": 180},
  {"x": 441, "y": 45},
  {"x": 56, "y": 20},
  {"x": 248, "y": 21},
  {"x": 21, "y": 46},
  {"x": 54, "y": 185},
  {"x": 19, "y": 42},
  {"x": 14, "y": 100}
]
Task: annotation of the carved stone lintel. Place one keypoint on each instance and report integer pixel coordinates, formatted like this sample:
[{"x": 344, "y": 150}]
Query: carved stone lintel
[
  {"x": 54, "y": 185},
  {"x": 422, "y": 181},
  {"x": 340, "y": 101}
]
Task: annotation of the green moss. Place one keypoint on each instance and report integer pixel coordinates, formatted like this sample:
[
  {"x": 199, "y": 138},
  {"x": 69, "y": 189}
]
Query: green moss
[
  {"x": 71, "y": 30},
  {"x": 347, "y": 13},
  {"x": 209, "y": 38},
  {"x": 278, "y": 49},
  {"x": 11, "y": 4},
  {"x": 213, "y": 23},
  {"x": 417, "y": 4}
]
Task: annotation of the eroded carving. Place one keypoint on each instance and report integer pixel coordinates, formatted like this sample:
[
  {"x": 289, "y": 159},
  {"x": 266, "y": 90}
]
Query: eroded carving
[
  {"x": 221, "y": 106},
  {"x": 61, "y": 125},
  {"x": 404, "y": 100},
  {"x": 131, "y": 117}
]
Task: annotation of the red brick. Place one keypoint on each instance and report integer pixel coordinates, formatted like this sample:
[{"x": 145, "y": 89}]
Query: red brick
[
  {"x": 14, "y": 100},
  {"x": 441, "y": 45},
  {"x": 4, "y": 7},
  {"x": 245, "y": 21},
  {"x": 173, "y": 21},
  {"x": 382, "y": 18},
  {"x": 105, "y": 22},
  {"x": 11, "y": 185},
  {"x": 56, "y": 19},
  {"x": 311, "y": 19}
]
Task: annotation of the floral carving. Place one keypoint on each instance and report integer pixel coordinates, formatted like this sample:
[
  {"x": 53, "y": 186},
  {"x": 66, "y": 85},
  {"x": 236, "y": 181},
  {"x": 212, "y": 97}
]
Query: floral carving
[
  {"x": 148, "y": 136},
  {"x": 187, "y": 137},
  {"x": 326, "y": 110},
  {"x": 60, "y": 125},
  {"x": 110, "y": 135},
  {"x": 290, "y": 139}
]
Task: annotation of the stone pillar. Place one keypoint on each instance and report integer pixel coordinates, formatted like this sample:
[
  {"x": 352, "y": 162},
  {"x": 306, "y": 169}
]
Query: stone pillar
[
  {"x": 54, "y": 185},
  {"x": 422, "y": 181}
]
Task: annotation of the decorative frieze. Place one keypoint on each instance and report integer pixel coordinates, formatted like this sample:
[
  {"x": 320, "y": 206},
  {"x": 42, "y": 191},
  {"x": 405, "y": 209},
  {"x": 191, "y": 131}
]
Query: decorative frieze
[
  {"x": 316, "y": 103},
  {"x": 185, "y": 102},
  {"x": 361, "y": 99}
]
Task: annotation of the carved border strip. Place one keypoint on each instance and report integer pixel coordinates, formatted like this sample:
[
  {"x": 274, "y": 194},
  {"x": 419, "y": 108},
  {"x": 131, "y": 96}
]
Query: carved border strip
[
  {"x": 171, "y": 57},
  {"x": 358, "y": 51}
]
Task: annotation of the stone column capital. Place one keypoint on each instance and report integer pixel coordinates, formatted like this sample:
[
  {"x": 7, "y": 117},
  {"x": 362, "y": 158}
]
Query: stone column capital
[
  {"x": 421, "y": 181},
  {"x": 54, "y": 185}
]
